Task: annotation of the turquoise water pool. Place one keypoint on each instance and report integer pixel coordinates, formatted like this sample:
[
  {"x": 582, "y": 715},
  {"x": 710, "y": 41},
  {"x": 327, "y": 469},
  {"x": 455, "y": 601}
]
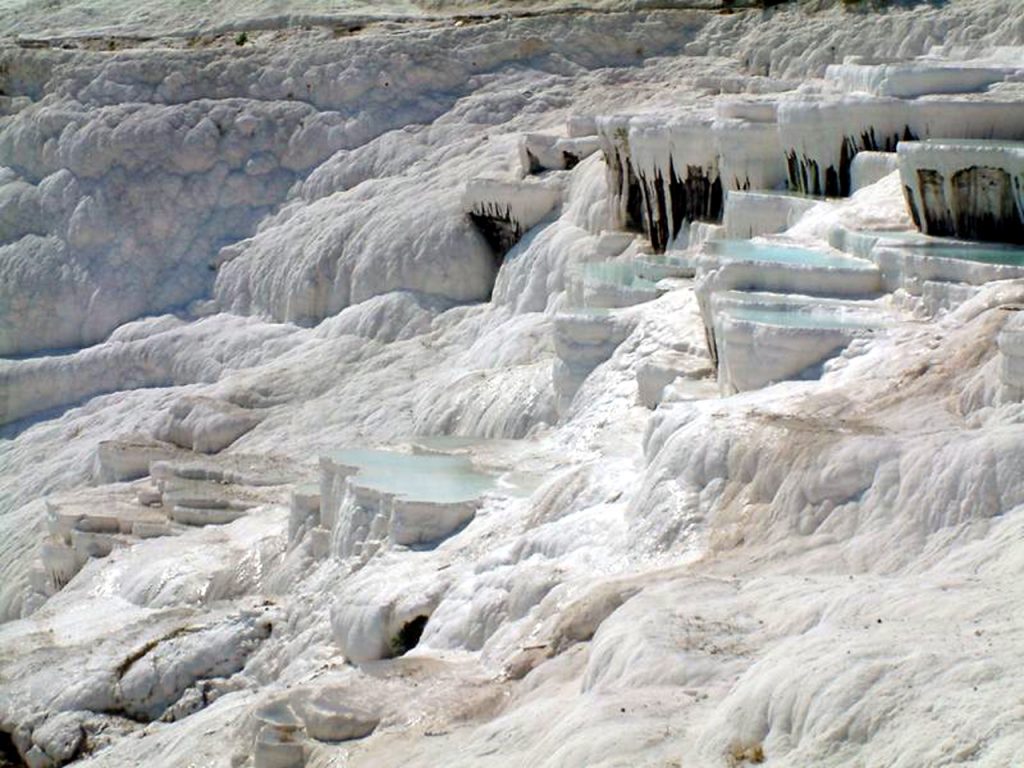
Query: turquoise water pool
[
  {"x": 748, "y": 250},
  {"x": 788, "y": 311},
  {"x": 429, "y": 478},
  {"x": 615, "y": 273},
  {"x": 658, "y": 267},
  {"x": 983, "y": 254},
  {"x": 800, "y": 318}
]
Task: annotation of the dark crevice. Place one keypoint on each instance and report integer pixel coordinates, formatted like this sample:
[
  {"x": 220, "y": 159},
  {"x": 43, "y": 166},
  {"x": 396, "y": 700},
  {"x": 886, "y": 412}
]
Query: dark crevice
[
  {"x": 664, "y": 224},
  {"x": 712, "y": 344},
  {"x": 909, "y": 195},
  {"x": 148, "y": 646},
  {"x": 985, "y": 208},
  {"x": 535, "y": 166},
  {"x": 717, "y": 202},
  {"x": 844, "y": 179},
  {"x": 634, "y": 200},
  {"x": 831, "y": 182},
  {"x": 499, "y": 229},
  {"x": 676, "y": 195},
  {"x": 806, "y": 176},
  {"x": 668, "y": 207},
  {"x": 9, "y": 756},
  {"x": 793, "y": 170},
  {"x": 408, "y": 636},
  {"x": 625, "y": 188},
  {"x": 650, "y": 224},
  {"x": 937, "y": 220}
]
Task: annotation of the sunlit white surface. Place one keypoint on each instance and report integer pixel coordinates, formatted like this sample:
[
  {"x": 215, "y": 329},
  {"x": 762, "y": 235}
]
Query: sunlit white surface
[{"x": 224, "y": 263}]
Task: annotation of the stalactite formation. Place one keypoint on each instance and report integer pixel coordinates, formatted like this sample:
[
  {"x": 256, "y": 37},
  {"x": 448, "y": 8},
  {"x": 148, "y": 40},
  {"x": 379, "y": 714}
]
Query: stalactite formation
[
  {"x": 965, "y": 189},
  {"x": 498, "y": 227}
]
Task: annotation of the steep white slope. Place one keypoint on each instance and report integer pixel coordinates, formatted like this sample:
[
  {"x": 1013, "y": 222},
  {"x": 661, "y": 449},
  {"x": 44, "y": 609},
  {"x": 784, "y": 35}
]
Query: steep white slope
[{"x": 131, "y": 171}]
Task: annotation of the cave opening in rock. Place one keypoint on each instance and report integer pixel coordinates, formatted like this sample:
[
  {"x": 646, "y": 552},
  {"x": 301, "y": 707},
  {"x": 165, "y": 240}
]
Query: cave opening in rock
[
  {"x": 408, "y": 636},
  {"x": 9, "y": 757},
  {"x": 499, "y": 229}
]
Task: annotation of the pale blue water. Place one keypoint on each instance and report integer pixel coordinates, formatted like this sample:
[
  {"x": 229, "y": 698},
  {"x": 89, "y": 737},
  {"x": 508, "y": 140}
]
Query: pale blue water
[
  {"x": 801, "y": 318},
  {"x": 780, "y": 193},
  {"x": 418, "y": 477},
  {"x": 789, "y": 311},
  {"x": 619, "y": 273},
  {"x": 660, "y": 266},
  {"x": 984, "y": 254},
  {"x": 947, "y": 248},
  {"x": 747, "y": 250}
]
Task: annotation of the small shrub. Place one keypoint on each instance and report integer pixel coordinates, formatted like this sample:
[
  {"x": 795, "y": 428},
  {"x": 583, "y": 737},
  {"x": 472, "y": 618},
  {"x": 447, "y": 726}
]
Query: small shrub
[
  {"x": 241, "y": 38},
  {"x": 743, "y": 756}
]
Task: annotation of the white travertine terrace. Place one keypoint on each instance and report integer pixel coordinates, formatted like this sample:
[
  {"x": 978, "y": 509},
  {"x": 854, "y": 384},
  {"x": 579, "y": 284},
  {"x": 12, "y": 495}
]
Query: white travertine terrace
[
  {"x": 668, "y": 437},
  {"x": 368, "y": 498},
  {"x": 822, "y": 137},
  {"x": 541, "y": 152},
  {"x": 667, "y": 170},
  {"x": 754, "y": 213},
  {"x": 908, "y": 79},
  {"x": 870, "y": 167},
  {"x": 504, "y": 209},
  {"x": 762, "y": 338}
]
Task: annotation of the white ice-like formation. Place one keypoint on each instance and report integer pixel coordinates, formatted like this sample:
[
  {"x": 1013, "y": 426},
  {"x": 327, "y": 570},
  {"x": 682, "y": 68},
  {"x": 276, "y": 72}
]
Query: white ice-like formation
[
  {"x": 540, "y": 152},
  {"x": 868, "y": 168},
  {"x": 403, "y": 387},
  {"x": 313, "y": 712},
  {"x": 149, "y": 353},
  {"x": 205, "y": 425},
  {"x": 178, "y": 493},
  {"x": 756, "y": 213},
  {"x": 104, "y": 222},
  {"x": 762, "y": 339},
  {"x": 756, "y": 343},
  {"x": 908, "y": 79},
  {"x": 1011, "y": 372},
  {"x": 503, "y": 210},
  {"x": 583, "y": 340},
  {"x": 667, "y": 170},
  {"x": 372, "y": 498},
  {"x": 822, "y": 137}
]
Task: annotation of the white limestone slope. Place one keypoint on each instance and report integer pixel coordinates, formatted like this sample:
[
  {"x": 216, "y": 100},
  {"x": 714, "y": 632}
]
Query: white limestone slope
[{"x": 295, "y": 469}]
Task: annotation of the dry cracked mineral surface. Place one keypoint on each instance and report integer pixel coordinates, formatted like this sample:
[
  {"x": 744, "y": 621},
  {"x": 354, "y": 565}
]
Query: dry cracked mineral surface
[{"x": 511, "y": 384}]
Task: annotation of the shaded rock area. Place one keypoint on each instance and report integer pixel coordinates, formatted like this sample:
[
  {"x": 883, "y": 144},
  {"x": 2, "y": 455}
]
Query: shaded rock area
[
  {"x": 503, "y": 210},
  {"x": 973, "y": 190},
  {"x": 204, "y": 424}
]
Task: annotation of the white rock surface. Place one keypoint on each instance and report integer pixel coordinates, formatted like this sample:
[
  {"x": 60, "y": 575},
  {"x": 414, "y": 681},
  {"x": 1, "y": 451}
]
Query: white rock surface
[
  {"x": 205, "y": 425},
  {"x": 257, "y": 245}
]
